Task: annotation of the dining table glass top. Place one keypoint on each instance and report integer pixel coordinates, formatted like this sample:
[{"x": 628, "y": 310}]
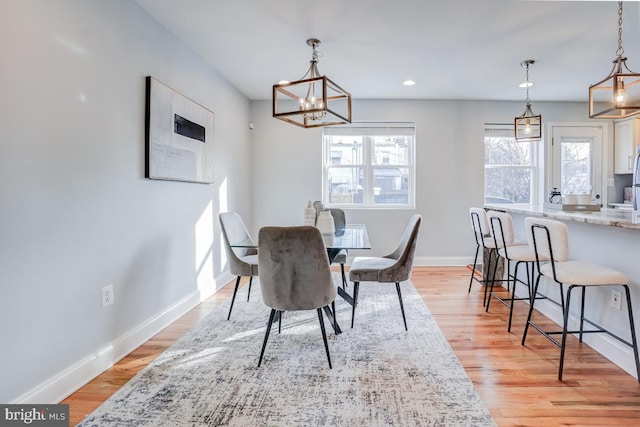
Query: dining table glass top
[{"x": 352, "y": 236}]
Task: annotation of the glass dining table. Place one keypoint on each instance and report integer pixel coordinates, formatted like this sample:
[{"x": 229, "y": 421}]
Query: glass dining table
[{"x": 351, "y": 236}]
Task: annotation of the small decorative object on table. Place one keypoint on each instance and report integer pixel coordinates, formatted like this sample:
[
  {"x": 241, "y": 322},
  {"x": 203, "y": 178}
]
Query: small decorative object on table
[
  {"x": 325, "y": 222},
  {"x": 310, "y": 215}
]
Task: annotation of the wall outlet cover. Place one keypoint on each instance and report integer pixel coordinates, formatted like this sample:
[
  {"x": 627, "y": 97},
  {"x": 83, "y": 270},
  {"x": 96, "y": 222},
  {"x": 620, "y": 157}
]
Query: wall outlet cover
[{"x": 107, "y": 295}]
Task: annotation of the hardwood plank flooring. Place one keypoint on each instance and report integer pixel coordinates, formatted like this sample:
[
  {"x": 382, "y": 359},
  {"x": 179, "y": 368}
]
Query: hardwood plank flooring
[{"x": 518, "y": 384}]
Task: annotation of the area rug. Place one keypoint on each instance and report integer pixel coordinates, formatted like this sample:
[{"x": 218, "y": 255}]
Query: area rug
[{"x": 382, "y": 375}]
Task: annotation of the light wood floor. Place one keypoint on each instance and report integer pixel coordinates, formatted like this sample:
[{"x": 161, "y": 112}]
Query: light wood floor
[{"x": 518, "y": 384}]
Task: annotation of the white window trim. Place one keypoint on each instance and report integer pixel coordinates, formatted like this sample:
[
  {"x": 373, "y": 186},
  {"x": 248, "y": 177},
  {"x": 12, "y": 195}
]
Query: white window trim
[
  {"x": 537, "y": 166},
  {"x": 368, "y": 166}
]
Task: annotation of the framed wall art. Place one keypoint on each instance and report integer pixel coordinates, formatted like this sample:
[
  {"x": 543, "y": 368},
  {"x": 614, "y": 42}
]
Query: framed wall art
[{"x": 178, "y": 136}]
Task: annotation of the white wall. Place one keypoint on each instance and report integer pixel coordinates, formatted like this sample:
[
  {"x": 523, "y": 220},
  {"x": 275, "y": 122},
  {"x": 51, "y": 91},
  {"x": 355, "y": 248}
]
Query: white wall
[
  {"x": 287, "y": 170},
  {"x": 76, "y": 211}
]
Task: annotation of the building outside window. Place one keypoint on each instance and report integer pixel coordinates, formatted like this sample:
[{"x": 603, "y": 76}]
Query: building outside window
[
  {"x": 510, "y": 167},
  {"x": 369, "y": 165}
]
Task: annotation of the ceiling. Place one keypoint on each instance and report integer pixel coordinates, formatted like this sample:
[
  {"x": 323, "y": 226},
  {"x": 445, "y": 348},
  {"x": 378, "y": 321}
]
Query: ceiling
[{"x": 453, "y": 49}]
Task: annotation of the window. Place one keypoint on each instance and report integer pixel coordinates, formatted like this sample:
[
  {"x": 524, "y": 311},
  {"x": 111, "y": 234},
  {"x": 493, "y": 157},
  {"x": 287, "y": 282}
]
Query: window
[
  {"x": 510, "y": 172},
  {"x": 369, "y": 165},
  {"x": 576, "y": 159}
]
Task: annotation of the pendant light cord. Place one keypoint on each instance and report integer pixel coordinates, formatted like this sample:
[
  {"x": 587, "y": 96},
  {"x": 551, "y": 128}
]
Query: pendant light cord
[{"x": 620, "y": 50}]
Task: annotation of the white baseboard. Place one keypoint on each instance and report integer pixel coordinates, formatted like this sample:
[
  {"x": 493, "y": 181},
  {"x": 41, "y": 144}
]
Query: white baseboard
[{"x": 64, "y": 383}]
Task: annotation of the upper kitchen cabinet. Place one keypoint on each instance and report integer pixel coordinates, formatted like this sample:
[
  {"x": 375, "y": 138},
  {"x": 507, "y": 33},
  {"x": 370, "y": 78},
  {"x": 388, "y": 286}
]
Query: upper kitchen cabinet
[{"x": 627, "y": 136}]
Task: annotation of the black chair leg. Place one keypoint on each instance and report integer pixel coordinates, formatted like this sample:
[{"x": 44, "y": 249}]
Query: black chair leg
[
  {"x": 401, "y": 305},
  {"x": 565, "y": 325},
  {"x": 266, "y": 335},
  {"x": 526, "y": 325},
  {"x": 634, "y": 342},
  {"x": 513, "y": 291},
  {"x": 493, "y": 281},
  {"x": 233, "y": 298},
  {"x": 473, "y": 270},
  {"x": 491, "y": 251},
  {"x": 249, "y": 293},
  {"x": 280, "y": 322},
  {"x": 344, "y": 277},
  {"x": 335, "y": 315},
  {"x": 324, "y": 336},
  {"x": 356, "y": 286}
]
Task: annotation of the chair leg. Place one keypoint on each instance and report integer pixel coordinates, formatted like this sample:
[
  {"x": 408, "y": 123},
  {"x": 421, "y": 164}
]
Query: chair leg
[
  {"x": 249, "y": 293},
  {"x": 473, "y": 270},
  {"x": 513, "y": 291},
  {"x": 491, "y": 251},
  {"x": 526, "y": 325},
  {"x": 233, "y": 298},
  {"x": 401, "y": 305},
  {"x": 356, "y": 286},
  {"x": 493, "y": 281},
  {"x": 324, "y": 336},
  {"x": 584, "y": 290},
  {"x": 335, "y": 315},
  {"x": 266, "y": 335},
  {"x": 344, "y": 277},
  {"x": 634, "y": 341},
  {"x": 565, "y": 323},
  {"x": 280, "y": 322}
]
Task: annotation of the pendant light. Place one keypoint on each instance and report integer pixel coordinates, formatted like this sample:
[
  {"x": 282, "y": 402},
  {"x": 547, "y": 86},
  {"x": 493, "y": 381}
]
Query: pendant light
[
  {"x": 618, "y": 95},
  {"x": 314, "y": 100},
  {"x": 528, "y": 126}
]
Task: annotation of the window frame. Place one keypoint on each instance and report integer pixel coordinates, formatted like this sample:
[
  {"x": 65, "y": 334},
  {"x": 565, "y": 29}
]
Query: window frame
[
  {"x": 366, "y": 132},
  {"x": 534, "y": 166}
]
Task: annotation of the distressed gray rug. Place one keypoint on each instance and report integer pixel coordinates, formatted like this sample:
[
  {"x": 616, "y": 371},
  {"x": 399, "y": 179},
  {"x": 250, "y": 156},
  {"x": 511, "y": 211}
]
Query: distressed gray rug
[{"x": 382, "y": 375}]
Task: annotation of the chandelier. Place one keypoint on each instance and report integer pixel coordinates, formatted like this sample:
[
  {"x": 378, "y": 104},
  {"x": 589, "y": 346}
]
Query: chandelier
[
  {"x": 312, "y": 101},
  {"x": 618, "y": 95},
  {"x": 528, "y": 126}
]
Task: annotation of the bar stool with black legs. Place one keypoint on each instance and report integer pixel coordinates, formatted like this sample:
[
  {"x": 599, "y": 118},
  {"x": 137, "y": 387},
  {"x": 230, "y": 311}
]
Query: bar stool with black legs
[
  {"x": 484, "y": 241},
  {"x": 480, "y": 227},
  {"x": 504, "y": 239},
  {"x": 550, "y": 239}
]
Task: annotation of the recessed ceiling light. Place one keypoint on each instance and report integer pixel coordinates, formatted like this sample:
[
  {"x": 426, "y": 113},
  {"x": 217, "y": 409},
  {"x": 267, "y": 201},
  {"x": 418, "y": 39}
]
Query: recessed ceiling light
[
  {"x": 409, "y": 82},
  {"x": 283, "y": 82},
  {"x": 526, "y": 84}
]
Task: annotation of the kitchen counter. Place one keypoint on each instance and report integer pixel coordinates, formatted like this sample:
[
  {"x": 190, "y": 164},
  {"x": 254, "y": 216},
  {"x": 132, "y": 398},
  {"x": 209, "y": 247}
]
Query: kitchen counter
[{"x": 609, "y": 217}]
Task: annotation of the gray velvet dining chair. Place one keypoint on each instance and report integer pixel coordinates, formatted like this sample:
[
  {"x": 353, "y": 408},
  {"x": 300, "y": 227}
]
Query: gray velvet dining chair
[
  {"x": 340, "y": 220},
  {"x": 241, "y": 261},
  {"x": 393, "y": 268},
  {"x": 295, "y": 275}
]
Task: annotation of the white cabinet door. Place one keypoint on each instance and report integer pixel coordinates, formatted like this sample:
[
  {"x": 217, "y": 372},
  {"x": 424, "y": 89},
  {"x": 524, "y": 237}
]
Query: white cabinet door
[{"x": 626, "y": 138}]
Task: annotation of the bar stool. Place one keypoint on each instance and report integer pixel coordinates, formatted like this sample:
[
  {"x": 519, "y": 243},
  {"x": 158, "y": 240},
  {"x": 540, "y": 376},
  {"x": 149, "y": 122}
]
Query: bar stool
[
  {"x": 550, "y": 239},
  {"x": 484, "y": 240},
  {"x": 511, "y": 251}
]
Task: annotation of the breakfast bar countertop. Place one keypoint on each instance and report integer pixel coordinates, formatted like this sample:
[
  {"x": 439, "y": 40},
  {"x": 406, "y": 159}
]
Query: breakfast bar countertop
[{"x": 610, "y": 217}]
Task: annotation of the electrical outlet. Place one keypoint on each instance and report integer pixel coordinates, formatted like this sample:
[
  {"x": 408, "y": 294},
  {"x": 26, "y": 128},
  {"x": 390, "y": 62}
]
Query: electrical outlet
[
  {"x": 616, "y": 299},
  {"x": 107, "y": 295}
]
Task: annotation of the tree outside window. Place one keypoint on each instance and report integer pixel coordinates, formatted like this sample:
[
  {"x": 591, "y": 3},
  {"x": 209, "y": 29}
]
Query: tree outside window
[{"x": 509, "y": 167}]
